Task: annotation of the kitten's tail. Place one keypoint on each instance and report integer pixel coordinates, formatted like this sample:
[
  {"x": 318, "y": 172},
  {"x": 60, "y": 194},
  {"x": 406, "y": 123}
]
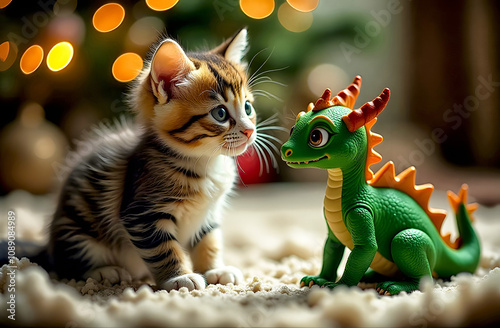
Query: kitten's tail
[{"x": 35, "y": 252}]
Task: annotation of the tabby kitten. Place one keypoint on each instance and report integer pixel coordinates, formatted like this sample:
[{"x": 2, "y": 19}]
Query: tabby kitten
[{"x": 146, "y": 200}]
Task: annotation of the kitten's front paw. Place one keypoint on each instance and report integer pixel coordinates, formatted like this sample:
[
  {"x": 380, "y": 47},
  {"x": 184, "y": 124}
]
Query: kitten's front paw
[
  {"x": 190, "y": 281},
  {"x": 114, "y": 274},
  {"x": 224, "y": 276}
]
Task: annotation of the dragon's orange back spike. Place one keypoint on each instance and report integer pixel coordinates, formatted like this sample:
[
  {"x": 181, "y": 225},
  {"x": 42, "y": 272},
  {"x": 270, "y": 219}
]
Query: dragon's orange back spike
[
  {"x": 359, "y": 117},
  {"x": 348, "y": 96}
]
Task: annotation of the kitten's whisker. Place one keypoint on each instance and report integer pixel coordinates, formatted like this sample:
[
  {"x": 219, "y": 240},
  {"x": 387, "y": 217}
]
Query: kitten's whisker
[
  {"x": 276, "y": 128},
  {"x": 239, "y": 166},
  {"x": 214, "y": 152},
  {"x": 272, "y": 82},
  {"x": 232, "y": 149},
  {"x": 292, "y": 117},
  {"x": 209, "y": 156},
  {"x": 254, "y": 56},
  {"x": 265, "y": 79},
  {"x": 268, "y": 139},
  {"x": 259, "y": 155},
  {"x": 262, "y": 78},
  {"x": 238, "y": 163},
  {"x": 268, "y": 136},
  {"x": 269, "y": 121},
  {"x": 270, "y": 71},
  {"x": 268, "y": 142},
  {"x": 241, "y": 169},
  {"x": 266, "y": 94},
  {"x": 263, "y": 153},
  {"x": 274, "y": 162},
  {"x": 255, "y": 74}
]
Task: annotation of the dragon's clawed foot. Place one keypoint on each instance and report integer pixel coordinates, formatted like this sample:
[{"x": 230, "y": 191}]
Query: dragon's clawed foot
[
  {"x": 330, "y": 285},
  {"x": 313, "y": 280},
  {"x": 394, "y": 288}
]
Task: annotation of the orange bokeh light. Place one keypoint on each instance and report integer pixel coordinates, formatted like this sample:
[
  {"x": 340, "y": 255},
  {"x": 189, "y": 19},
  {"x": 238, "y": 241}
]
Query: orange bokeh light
[
  {"x": 60, "y": 56},
  {"x": 4, "y": 50},
  {"x": 108, "y": 17},
  {"x": 127, "y": 66},
  {"x": 4, "y": 3},
  {"x": 294, "y": 20},
  {"x": 31, "y": 59},
  {"x": 8, "y": 54},
  {"x": 161, "y": 5},
  {"x": 257, "y": 9},
  {"x": 303, "y": 5}
]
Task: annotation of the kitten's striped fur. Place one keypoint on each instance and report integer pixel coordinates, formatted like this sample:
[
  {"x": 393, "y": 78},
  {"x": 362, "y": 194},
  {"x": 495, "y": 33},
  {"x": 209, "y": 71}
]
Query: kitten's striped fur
[{"x": 145, "y": 199}]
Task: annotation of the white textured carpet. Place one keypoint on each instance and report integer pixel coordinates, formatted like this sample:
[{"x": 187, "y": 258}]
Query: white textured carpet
[{"x": 275, "y": 235}]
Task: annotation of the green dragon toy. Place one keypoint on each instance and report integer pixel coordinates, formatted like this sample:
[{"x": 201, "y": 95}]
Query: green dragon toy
[{"x": 384, "y": 219}]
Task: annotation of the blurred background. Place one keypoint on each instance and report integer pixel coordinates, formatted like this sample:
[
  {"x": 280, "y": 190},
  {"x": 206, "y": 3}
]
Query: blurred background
[{"x": 65, "y": 65}]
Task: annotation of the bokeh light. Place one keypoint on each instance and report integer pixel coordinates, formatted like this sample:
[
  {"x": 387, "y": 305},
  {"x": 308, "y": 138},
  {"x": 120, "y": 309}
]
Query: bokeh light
[
  {"x": 303, "y": 5},
  {"x": 8, "y": 54},
  {"x": 69, "y": 27},
  {"x": 44, "y": 147},
  {"x": 4, "y": 3},
  {"x": 257, "y": 9},
  {"x": 31, "y": 59},
  {"x": 294, "y": 20},
  {"x": 108, "y": 17},
  {"x": 326, "y": 76},
  {"x": 161, "y": 5},
  {"x": 127, "y": 67},
  {"x": 65, "y": 7},
  {"x": 31, "y": 115},
  {"x": 4, "y": 50},
  {"x": 145, "y": 30},
  {"x": 60, "y": 56}
]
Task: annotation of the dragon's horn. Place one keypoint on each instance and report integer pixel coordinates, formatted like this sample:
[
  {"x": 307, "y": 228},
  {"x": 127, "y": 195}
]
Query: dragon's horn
[
  {"x": 324, "y": 101},
  {"x": 348, "y": 96},
  {"x": 359, "y": 117}
]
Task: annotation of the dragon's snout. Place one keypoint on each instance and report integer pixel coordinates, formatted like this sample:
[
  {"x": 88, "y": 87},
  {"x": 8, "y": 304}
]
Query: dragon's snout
[{"x": 286, "y": 151}]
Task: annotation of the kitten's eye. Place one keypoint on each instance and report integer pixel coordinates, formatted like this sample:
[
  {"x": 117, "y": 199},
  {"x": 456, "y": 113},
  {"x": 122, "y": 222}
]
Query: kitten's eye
[
  {"x": 219, "y": 113},
  {"x": 291, "y": 130},
  {"x": 248, "y": 108},
  {"x": 318, "y": 137}
]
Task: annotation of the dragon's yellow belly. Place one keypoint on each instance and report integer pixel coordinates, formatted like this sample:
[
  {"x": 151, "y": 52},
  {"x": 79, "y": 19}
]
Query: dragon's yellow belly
[{"x": 333, "y": 215}]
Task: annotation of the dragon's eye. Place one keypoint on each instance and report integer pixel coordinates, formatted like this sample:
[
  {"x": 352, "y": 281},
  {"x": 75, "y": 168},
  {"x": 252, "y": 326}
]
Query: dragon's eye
[
  {"x": 318, "y": 137},
  {"x": 291, "y": 130}
]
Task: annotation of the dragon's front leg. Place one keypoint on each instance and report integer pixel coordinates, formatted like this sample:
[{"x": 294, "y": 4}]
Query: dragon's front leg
[
  {"x": 359, "y": 222},
  {"x": 332, "y": 255}
]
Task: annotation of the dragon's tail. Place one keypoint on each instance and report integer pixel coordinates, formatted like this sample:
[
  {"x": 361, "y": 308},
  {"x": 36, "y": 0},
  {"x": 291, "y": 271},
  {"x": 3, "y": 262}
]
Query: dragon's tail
[{"x": 465, "y": 258}]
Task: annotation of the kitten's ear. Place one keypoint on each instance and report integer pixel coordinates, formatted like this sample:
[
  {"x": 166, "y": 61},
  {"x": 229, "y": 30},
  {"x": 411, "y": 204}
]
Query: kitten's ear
[
  {"x": 169, "y": 65},
  {"x": 235, "y": 48}
]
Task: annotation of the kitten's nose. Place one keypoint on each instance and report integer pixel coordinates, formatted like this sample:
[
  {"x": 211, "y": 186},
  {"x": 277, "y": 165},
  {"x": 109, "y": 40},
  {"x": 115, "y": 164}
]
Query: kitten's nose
[{"x": 248, "y": 133}]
